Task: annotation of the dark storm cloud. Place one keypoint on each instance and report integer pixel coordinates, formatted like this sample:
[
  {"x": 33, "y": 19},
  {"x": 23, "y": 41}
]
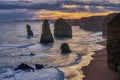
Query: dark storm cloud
[
  {"x": 15, "y": 14},
  {"x": 57, "y": 5}
]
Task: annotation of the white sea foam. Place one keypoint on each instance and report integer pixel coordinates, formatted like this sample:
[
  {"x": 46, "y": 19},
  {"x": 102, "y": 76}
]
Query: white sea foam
[
  {"x": 96, "y": 37},
  {"x": 39, "y": 46},
  {"x": 13, "y": 46},
  {"x": 43, "y": 74},
  {"x": 29, "y": 54}
]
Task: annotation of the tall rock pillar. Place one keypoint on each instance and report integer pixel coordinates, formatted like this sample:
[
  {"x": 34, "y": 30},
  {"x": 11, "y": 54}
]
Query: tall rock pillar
[
  {"x": 46, "y": 36},
  {"x": 29, "y": 31}
]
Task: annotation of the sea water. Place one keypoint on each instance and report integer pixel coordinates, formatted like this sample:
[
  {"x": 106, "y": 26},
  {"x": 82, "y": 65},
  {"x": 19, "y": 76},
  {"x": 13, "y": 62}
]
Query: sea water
[{"x": 15, "y": 48}]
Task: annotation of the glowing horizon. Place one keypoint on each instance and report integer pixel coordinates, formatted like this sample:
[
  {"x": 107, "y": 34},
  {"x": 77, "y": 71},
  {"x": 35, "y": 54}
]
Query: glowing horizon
[{"x": 52, "y": 15}]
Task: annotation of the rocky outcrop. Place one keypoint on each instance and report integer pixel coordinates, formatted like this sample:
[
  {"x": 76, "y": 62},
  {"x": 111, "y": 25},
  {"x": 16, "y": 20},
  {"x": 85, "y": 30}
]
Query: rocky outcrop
[
  {"x": 39, "y": 66},
  {"x": 65, "y": 48},
  {"x": 62, "y": 28},
  {"x": 46, "y": 36},
  {"x": 31, "y": 54},
  {"x": 29, "y": 31},
  {"x": 113, "y": 43},
  {"x": 106, "y": 20},
  {"x": 24, "y": 67}
]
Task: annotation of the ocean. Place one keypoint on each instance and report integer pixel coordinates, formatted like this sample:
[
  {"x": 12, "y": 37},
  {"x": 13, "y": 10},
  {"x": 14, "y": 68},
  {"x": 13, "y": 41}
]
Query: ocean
[{"x": 15, "y": 48}]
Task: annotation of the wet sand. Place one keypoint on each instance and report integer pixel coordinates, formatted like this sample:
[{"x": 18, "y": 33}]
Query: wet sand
[
  {"x": 98, "y": 68},
  {"x": 74, "y": 72}
]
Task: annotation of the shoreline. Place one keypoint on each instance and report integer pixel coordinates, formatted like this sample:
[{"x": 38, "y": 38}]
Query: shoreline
[
  {"x": 98, "y": 68},
  {"x": 76, "y": 72}
]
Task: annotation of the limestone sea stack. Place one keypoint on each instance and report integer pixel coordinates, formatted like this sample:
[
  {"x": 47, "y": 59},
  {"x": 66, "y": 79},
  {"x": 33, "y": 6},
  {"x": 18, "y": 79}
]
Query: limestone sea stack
[
  {"x": 113, "y": 43},
  {"x": 62, "y": 28},
  {"x": 65, "y": 48},
  {"x": 106, "y": 20},
  {"x": 46, "y": 36},
  {"x": 29, "y": 31}
]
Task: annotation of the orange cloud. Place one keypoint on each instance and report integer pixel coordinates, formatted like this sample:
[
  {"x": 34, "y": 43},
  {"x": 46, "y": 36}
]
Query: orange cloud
[{"x": 47, "y": 14}]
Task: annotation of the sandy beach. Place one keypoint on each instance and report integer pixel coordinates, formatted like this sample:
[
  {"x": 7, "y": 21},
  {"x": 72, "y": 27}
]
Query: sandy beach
[{"x": 98, "y": 68}]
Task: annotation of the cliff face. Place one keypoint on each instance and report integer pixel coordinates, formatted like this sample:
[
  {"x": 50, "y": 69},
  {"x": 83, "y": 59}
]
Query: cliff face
[
  {"x": 46, "y": 36},
  {"x": 62, "y": 28},
  {"x": 93, "y": 23},
  {"x": 106, "y": 20},
  {"x": 113, "y": 43}
]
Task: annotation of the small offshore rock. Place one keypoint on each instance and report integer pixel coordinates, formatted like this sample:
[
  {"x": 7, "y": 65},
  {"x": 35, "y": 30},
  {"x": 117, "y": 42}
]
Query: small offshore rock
[
  {"x": 65, "y": 48},
  {"x": 32, "y": 54},
  {"x": 24, "y": 67},
  {"x": 39, "y": 66},
  {"x": 29, "y": 31}
]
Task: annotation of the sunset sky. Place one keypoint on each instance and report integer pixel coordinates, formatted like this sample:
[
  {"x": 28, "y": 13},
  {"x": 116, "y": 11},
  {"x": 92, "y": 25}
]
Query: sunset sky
[{"x": 53, "y": 9}]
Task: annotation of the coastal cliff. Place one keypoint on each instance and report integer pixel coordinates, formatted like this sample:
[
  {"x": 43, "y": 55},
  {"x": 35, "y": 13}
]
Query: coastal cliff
[
  {"x": 107, "y": 19},
  {"x": 93, "y": 23},
  {"x": 113, "y": 43}
]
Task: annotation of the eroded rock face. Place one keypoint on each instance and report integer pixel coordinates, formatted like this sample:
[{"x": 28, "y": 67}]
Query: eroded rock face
[
  {"x": 65, "y": 48},
  {"x": 113, "y": 43},
  {"x": 29, "y": 31},
  {"x": 62, "y": 28},
  {"x": 24, "y": 67},
  {"x": 93, "y": 23},
  {"x": 46, "y": 36},
  {"x": 106, "y": 21}
]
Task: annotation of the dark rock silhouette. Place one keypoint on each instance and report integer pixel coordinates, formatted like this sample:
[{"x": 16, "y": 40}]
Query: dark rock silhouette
[
  {"x": 32, "y": 54},
  {"x": 39, "y": 66},
  {"x": 29, "y": 31},
  {"x": 93, "y": 23},
  {"x": 106, "y": 20},
  {"x": 113, "y": 43},
  {"x": 46, "y": 36},
  {"x": 65, "y": 48},
  {"x": 62, "y": 28},
  {"x": 24, "y": 67}
]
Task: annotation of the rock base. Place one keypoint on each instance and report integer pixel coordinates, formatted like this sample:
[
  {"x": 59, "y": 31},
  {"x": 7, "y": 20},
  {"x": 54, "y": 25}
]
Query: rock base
[{"x": 46, "y": 38}]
